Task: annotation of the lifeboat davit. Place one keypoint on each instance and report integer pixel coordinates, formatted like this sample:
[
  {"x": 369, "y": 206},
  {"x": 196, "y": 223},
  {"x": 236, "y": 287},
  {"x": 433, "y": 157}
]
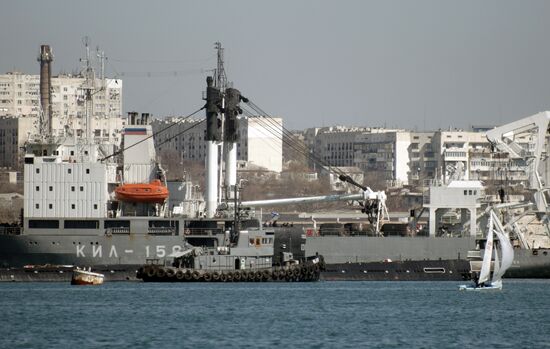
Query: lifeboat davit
[{"x": 153, "y": 192}]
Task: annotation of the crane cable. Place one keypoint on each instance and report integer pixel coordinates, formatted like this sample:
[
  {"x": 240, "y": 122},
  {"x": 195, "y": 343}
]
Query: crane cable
[{"x": 159, "y": 132}]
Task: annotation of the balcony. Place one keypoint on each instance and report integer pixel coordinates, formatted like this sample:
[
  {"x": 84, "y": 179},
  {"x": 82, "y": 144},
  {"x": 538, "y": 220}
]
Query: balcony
[{"x": 455, "y": 154}]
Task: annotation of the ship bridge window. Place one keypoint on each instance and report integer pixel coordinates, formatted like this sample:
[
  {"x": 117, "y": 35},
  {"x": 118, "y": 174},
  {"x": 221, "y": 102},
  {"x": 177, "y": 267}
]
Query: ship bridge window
[
  {"x": 44, "y": 223},
  {"x": 116, "y": 224},
  {"x": 81, "y": 224},
  {"x": 164, "y": 224}
]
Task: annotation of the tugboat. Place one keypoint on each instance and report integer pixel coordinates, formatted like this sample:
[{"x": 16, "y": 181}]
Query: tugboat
[{"x": 227, "y": 254}]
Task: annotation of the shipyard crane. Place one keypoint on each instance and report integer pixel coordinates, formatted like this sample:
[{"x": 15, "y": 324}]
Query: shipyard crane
[
  {"x": 373, "y": 202},
  {"x": 532, "y": 129}
]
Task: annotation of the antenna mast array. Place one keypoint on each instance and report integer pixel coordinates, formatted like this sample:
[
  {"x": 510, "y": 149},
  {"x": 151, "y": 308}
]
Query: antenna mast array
[{"x": 89, "y": 86}]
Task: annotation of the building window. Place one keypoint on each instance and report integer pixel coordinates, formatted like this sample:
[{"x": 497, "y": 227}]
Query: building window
[
  {"x": 51, "y": 188},
  {"x": 37, "y": 170},
  {"x": 73, "y": 206},
  {"x": 69, "y": 171},
  {"x": 95, "y": 206},
  {"x": 465, "y": 192},
  {"x": 81, "y": 188},
  {"x": 37, "y": 188},
  {"x": 50, "y": 206},
  {"x": 87, "y": 171},
  {"x": 37, "y": 206},
  {"x": 72, "y": 188}
]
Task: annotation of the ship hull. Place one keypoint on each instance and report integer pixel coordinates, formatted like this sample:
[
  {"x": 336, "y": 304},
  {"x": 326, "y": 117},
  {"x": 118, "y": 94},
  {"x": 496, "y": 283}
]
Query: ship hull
[
  {"x": 428, "y": 270},
  {"x": 21, "y": 250},
  {"x": 119, "y": 257}
]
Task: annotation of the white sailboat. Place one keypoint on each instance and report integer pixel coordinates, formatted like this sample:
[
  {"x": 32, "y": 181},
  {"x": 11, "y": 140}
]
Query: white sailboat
[{"x": 485, "y": 282}]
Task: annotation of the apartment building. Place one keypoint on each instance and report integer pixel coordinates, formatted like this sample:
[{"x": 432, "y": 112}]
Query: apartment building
[{"x": 259, "y": 145}]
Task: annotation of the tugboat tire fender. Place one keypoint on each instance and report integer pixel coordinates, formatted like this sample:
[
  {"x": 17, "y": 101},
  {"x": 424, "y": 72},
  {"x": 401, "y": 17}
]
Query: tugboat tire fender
[
  {"x": 161, "y": 272},
  {"x": 207, "y": 277},
  {"x": 170, "y": 273}
]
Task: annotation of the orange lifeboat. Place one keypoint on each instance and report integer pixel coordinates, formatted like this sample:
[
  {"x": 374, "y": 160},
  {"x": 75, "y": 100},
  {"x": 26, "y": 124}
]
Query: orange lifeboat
[{"x": 153, "y": 192}]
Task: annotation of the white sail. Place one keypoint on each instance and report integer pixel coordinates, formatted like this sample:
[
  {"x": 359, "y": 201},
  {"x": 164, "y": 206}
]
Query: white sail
[
  {"x": 507, "y": 255},
  {"x": 496, "y": 265},
  {"x": 487, "y": 256}
]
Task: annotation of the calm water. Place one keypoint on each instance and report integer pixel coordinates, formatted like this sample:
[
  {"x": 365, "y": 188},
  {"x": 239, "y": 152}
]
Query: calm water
[{"x": 312, "y": 315}]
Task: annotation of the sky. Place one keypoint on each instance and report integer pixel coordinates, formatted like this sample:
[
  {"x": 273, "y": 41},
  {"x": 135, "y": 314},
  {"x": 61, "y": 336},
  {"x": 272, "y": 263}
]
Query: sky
[{"x": 421, "y": 65}]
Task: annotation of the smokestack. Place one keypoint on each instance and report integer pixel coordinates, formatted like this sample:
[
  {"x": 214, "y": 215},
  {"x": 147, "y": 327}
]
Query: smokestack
[{"x": 45, "y": 59}]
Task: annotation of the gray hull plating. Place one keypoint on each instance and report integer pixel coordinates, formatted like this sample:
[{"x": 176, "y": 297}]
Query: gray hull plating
[
  {"x": 346, "y": 249},
  {"x": 20, "y": 250}
]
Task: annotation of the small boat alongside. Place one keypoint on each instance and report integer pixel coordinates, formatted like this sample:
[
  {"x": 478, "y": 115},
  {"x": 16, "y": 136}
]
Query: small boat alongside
[{"x": 86, "y": 277}]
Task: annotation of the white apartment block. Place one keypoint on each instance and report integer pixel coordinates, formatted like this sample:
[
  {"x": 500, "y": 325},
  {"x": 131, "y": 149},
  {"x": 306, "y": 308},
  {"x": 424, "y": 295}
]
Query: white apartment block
[
  {"x": 386, "y": 153},
  {"x": 20, "y": 110},
  {"x": 416, "y": 158},
  {"x": 334, "y": 144},
  {"x": 260, "y": 144},
  {"x": 20, "y": 95}
]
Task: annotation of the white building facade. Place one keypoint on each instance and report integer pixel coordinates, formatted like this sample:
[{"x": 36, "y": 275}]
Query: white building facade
[
  {"x": 20, "y": 110},
  {"x": 259, "y": 144}
]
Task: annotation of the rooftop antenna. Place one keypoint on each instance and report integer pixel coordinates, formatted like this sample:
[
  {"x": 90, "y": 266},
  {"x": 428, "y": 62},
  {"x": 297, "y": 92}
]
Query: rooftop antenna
[{"x": 88, "y": 87}]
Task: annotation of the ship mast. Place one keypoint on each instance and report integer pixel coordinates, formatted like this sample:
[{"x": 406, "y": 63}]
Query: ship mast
[{"x": 88, "y": 88}]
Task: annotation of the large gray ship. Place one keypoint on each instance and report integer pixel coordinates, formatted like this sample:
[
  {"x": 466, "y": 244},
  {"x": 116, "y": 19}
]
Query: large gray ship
[{"x": 89, "y": 204}]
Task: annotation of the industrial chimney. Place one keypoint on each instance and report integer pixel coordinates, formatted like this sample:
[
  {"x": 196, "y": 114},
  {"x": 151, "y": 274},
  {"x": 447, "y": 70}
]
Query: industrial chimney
[{"x": 45, "y": 58}]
